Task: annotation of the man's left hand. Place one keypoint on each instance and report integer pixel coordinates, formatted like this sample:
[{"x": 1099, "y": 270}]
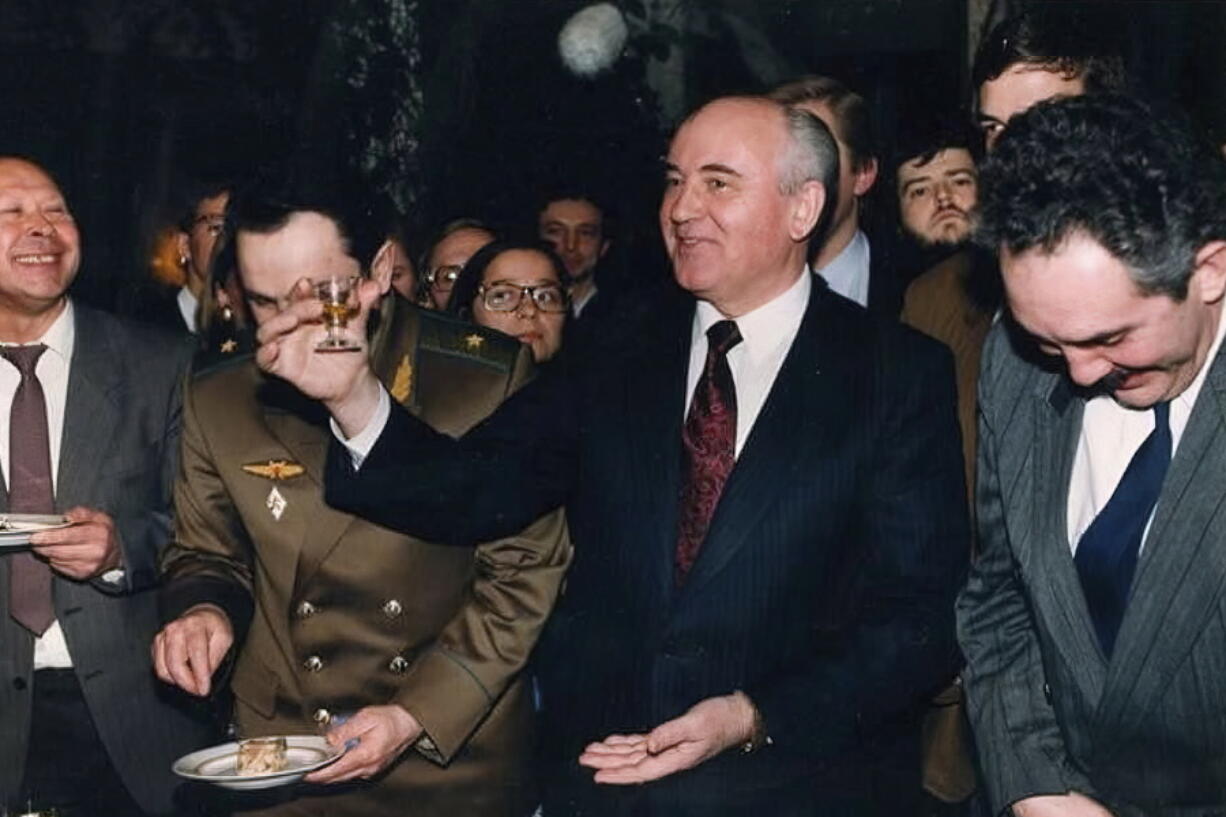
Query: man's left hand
[
  {"x": 708, "y": 728},
  {"x": 85, "y": 550},
  {"x": 382, "y": 732}
]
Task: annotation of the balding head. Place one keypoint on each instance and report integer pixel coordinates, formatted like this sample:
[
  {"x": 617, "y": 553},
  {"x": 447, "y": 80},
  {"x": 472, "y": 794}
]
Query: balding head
[
  {"x": 735, "y": 217},
  {"x": 39, "y": 248}
]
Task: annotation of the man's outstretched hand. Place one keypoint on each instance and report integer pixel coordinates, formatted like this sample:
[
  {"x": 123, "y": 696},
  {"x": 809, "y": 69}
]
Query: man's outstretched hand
[{"x": 708, "y": 728}]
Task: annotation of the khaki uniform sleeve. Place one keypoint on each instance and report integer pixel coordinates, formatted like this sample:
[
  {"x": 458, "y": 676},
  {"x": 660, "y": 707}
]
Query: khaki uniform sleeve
[{"x": 452, "y": 687}]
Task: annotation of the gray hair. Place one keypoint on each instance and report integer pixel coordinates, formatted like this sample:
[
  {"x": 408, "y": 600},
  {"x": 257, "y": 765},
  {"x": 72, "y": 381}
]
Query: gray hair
[{"x": 811, "y": 155}]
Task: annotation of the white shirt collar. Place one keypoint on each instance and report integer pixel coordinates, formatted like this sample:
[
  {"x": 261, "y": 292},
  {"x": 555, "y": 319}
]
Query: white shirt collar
[
  {"x": 187, "y": 307},
  {"x": 847, "y": 273},
  {"x": 60, "y": 334},
  {"x": 763, "y": 328}
]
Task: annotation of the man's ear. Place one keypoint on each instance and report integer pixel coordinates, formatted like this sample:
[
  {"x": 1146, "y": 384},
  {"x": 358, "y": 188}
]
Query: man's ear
[
  {"x": 806, "y": 209},
  {"x": 1209, "y": 276},
  {"x": 864, "y": 177},
  {"x": 381, "y": 267}
]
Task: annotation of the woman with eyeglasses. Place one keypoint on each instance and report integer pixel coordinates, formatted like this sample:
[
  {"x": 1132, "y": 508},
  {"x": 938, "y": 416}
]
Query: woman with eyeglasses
[{"x": 518, "y": 288}]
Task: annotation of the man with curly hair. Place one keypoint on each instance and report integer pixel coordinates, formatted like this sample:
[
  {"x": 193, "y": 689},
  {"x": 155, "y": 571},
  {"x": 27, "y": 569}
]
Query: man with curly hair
[{"x": 1093, "y": 623}]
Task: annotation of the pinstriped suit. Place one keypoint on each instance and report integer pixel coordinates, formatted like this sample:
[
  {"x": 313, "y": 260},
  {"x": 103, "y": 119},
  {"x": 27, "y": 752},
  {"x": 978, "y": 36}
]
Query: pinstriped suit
[
  {"x": 119, "y": 453},
  {"x": 1146, "y": 732},
  {"x": 824, "y": 589}
]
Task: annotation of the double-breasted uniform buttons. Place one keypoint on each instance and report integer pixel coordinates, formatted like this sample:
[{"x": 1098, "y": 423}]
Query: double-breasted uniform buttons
[
  {"x": 398, "y": 664},
  {"x": 392, "y": 608},
  {"x": 322, "y": 716},
  {"x": 313, "y": 664},
  {"x": 306, "y": 609}
]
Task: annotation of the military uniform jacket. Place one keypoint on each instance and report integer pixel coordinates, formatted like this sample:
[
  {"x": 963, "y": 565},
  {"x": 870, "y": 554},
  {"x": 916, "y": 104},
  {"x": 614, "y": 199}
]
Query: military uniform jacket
[{"x": 349, "y": 614}]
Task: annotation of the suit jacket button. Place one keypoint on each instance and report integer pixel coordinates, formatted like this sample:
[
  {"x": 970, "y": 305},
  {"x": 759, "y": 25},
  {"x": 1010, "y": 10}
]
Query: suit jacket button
[
  {"x": 306, "y": 609},
  {"x": 398, "y": 664},
  {"x": 313, "y": 664},
  {"x": 322, "y": 716},
  {"x": 392, "y": 608},
  {"x": 19, "y": 684}
]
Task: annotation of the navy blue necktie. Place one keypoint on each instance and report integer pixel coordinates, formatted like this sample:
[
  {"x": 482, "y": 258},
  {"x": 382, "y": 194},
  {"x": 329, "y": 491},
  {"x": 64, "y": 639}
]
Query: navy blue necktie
[{"x": 1107, "y": 553}]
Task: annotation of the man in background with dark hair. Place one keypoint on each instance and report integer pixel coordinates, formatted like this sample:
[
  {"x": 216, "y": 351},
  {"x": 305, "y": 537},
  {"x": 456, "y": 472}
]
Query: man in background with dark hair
[
  {"x": 841, "y": 252},
  {"x": 1092, "y": 621},
  {"x": 1046, "y": 50},
  {"x": 409, "y": 650},
  {"x": 956, "y": 297},
  {"x": 577, "y": 227}
]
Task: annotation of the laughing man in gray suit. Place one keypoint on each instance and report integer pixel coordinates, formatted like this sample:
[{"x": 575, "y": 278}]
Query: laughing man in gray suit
[
  {"x": 1094, "y": 623},
  {"x": 89, "y": 422}
]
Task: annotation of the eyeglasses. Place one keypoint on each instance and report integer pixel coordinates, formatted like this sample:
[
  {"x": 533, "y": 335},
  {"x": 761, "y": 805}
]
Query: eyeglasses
[
  {"x": 212, "y": 223},
  {"x": 443, "y": 278},
  {"x": 508, "y": 297}
]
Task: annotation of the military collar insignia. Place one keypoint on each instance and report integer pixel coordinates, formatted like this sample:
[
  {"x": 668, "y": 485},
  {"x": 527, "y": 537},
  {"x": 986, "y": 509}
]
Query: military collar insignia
[
  {"x": 402, "y": 382},
  {"x": 276, "y": 470},
  {"x": 473, "y": 342}
]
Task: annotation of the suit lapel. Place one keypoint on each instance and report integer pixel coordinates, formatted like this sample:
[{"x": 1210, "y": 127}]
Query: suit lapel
[
  {"x": 792, "y": 421},
  {"x": 1057, "y": 428},
  {"x": 300, "y": 425},
  {"x": 1181, "y": 572},
  {"x": 655, "y": 396},
  {"x": 92, "y": 406}
]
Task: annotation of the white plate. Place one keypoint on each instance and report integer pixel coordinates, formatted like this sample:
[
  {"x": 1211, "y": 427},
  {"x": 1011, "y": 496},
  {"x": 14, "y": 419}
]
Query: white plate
[
  {"x": 219, "y": 764},
  {"x": 15, "y": 528}
]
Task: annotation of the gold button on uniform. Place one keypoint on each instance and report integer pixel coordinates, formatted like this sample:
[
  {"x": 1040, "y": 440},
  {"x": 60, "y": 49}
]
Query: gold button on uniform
[
  {"x": 392, "y": 608},
  {"x": 306, "y": 609},
  {"x": 313, "y": 664},
  {"x": 322, "y": 716},
  {"x": 398, "y": 664}
]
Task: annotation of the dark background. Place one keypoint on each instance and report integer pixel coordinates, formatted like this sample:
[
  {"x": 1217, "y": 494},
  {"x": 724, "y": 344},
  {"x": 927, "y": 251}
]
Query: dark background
[{"x": 122, "y": 97}]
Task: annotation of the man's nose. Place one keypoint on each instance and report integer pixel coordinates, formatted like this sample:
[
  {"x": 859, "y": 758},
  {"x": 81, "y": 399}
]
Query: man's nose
[
  {"x": 1086, "y": 367},
  {"x": 682, "y": 204},
  {"x": 570, "y": 240},
  {"x": 944, "y": 192}
]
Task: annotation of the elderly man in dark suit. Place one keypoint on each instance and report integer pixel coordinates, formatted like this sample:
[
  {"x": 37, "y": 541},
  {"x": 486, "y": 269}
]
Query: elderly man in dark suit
[
  {"x": 1093, "y": 620},
  {"x": 90, "y": 408},
  {"x": 764, "y": 491}
]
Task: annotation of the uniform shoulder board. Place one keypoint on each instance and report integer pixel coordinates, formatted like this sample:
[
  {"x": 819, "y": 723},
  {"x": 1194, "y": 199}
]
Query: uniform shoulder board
[{"x": 457, "y": 338}]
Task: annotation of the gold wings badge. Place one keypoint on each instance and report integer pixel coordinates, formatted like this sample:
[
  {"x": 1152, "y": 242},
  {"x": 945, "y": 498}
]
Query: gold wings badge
[{"x": 276, "y": 470}]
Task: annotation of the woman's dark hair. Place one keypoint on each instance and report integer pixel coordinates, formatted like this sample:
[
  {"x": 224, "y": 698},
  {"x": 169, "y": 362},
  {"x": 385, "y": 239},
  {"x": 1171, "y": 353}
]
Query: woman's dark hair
[{"x": 469, "y": 281}]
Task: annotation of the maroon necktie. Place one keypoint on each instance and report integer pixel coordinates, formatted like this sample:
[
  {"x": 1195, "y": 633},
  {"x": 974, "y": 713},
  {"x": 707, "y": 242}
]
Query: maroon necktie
[
  {"x": 30, "y": 489},
  {"x": 708, "y": 446}
]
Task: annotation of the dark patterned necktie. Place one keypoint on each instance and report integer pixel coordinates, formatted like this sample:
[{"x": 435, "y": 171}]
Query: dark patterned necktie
[
  {"x": 1106, "y": 555},
  {"x": 708, "y": 446},
  {"x": 30, "y": 489}
]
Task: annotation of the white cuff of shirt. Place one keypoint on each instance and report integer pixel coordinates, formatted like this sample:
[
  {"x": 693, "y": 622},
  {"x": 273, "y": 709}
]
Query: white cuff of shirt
[{"x": 359, "y": 444}]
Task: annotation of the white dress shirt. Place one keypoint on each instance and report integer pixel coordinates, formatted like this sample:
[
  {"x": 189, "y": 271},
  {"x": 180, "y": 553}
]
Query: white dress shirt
[
  {"x": 1110, "y": 436},
  {"x": 847, "y": 272},
  {"x": 577, "y": 304},
  {"x": 50, "y": 649},
  {"x": 766, "y": 335},
  {"x": 187, "y": 308}
]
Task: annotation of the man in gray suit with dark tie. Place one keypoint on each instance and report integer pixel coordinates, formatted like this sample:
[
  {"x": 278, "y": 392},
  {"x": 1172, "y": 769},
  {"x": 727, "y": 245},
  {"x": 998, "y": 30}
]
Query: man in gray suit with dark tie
[
  {"x": 89, "y": 427},
  {"x": 1094, "y": 623}
]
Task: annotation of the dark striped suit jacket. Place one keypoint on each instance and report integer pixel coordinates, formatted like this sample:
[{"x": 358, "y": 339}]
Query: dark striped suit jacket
[
  {"x": 824, "y": 590},
  {"x": 1144, "y": 732}
]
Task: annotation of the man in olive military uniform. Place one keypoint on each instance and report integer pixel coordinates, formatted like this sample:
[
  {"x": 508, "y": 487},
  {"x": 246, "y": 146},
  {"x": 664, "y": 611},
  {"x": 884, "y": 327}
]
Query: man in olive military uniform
[{"x": 418, "y": 646}]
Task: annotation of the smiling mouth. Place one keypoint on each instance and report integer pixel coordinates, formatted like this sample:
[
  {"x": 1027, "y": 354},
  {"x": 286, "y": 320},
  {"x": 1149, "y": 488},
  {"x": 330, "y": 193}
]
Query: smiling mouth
[{"x": 40, "y": 258}]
